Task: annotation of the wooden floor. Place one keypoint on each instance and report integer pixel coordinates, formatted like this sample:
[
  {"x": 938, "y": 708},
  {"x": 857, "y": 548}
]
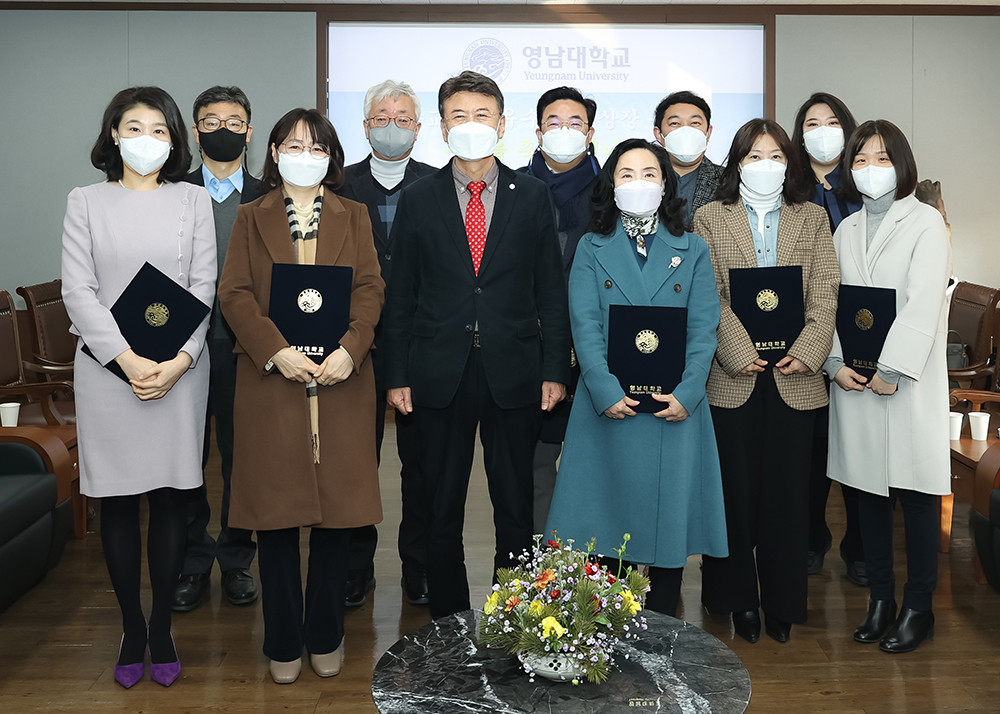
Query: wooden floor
[{"x": 58, "y": 643}]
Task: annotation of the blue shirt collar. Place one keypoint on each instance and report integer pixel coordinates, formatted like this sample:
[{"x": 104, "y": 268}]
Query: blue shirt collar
[{"x": 220, "y": 189}]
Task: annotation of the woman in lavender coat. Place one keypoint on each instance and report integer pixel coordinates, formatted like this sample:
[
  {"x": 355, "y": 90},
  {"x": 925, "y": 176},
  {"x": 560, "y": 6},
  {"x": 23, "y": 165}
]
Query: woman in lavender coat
[{"x": 144, "y": 437}]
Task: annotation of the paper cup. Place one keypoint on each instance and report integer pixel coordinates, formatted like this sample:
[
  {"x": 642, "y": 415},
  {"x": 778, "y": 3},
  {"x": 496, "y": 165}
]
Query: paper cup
[
  {"x": 955, "y": 424},
  {"x": 9, "y": 410},
  {"x": 979, "y": 424}
]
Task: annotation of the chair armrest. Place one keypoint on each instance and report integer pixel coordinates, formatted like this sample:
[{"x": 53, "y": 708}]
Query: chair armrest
[
  {"x": 976, "y": 396},
  {"x": 19, "y": 458},
  {"x": 973, "y": 371},
  {"x": 987, "y": 478},
  {"x": 44, "y": 366},
  {"x": 43, "y": 391}
]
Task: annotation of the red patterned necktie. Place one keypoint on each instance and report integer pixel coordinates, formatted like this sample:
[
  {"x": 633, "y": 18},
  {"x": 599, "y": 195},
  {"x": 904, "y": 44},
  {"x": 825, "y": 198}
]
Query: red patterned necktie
[{"x": 475, "y": 223}]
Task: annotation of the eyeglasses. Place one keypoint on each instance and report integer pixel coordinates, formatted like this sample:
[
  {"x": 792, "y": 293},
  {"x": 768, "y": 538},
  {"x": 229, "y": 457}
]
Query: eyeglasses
[
  {"x": 574, "y": 124},
  {"x": 295, "y": 147},
  {"x": 210, "y": 124},
  {"x": 482, "y": 117},
  {"x": 383, "y": 120}
]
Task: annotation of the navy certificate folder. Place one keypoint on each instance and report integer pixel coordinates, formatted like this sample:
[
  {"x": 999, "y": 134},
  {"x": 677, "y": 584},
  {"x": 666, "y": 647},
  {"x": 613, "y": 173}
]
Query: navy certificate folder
[
  {"x": 311, "y": 306},
  {"x": 156, "y": 317},
  {"x": 769, "y": 302},
  {"x": 646, "y": 351},
  {"x": 864, "y": 316}
]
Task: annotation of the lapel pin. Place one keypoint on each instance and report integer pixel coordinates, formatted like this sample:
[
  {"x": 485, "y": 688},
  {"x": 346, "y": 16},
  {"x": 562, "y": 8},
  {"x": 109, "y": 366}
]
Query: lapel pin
[
  {"x": 512, "y": 187},
  {"x": 675, "y": 261}
]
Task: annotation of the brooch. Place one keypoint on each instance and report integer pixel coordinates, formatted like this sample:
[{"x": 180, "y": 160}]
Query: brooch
[{"x": 675, "y": 261}]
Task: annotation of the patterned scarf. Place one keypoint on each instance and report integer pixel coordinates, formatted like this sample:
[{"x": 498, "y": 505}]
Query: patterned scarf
[
  {"x": 638, "y": 228},
  {"x": 304, "y": 243}
]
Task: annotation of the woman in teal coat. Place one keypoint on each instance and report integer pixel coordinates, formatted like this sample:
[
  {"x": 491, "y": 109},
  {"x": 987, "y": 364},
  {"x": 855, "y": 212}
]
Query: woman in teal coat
[{"x": 654, "y": 476}]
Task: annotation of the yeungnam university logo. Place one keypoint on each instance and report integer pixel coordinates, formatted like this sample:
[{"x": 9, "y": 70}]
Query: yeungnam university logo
[{"x": 488, "y": 56}]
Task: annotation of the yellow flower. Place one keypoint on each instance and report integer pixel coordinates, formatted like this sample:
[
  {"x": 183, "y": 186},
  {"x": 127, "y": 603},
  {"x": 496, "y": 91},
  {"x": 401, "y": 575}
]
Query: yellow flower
[
  {"x": 550, "y": 625},
  {"x": 491, "y": 603},
  {"x": 535, "y": 608},
  {"x": 631, "y": 604}
]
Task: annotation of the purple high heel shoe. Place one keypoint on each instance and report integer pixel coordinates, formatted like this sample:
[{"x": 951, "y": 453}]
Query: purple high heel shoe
[
  {"x": 166, "y": 674},
  {"x": 128, "y": 674}
]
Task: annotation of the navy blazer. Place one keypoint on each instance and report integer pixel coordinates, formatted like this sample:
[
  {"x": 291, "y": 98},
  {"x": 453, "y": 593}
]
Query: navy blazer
[
  {"x": 359, "y": 185},
  {"x": 436, "y": 299}
]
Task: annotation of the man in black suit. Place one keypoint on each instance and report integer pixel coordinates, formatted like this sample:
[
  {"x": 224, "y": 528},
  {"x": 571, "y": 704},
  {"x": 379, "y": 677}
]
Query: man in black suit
[
  {"x": 478, "y": 283},
  {"x": 392, "y": 123},
  {"x": 222, "y": 131}
]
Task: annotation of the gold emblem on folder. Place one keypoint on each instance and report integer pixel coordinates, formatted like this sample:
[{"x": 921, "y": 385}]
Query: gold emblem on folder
[
  {"x": 310, "y": 300},
  {"x": 647, "y": 341},
  {"x": 157, "y": 314},
  {"x": 767, "y": 300},
  {"x": 864, "y": 319}
]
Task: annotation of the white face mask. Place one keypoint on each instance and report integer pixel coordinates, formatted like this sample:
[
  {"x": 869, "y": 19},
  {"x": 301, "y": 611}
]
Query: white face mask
[
  {"x": 562, "y": 145},
  {"x": 303, "y": 170},
  {"x": 144, "y": 154},
  {"x": 685, "y": 144},
  {"x": 763, "y": 178},
  {"x": 875, "y": 181},
  {"x": 824, "y": 143},
  {"x": 472, "y": 141},
  {"x": 639, "y": 198}
]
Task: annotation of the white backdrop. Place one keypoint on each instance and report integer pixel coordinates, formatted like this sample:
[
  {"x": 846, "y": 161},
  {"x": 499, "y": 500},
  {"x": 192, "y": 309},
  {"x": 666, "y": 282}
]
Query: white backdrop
[{"x": 627, "y": 69}]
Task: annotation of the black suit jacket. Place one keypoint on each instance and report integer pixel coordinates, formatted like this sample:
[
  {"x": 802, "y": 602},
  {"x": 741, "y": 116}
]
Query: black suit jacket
[
  {"x": 251, "y": 186},
  {"x": 359, "y": 185},
  {"x": 436, "y": 299},
  {"x": 251, "y": 192}
]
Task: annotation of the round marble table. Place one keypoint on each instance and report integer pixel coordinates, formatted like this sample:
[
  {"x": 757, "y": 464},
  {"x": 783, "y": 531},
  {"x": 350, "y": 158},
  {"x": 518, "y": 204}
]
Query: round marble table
[{"x": 673, "y": 667}]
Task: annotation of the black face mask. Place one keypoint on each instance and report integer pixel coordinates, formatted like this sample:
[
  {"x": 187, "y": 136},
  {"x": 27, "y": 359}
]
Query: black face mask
[{"x": 222, "y": 144}]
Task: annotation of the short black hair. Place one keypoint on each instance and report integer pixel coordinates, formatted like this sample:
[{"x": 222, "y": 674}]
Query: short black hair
[
  {"x": 844, "y": 116},
  {"x": 568, "y": 93},
  {"x": 322, "y": 132},
  {"x": 896, "y": 146},
  {"x": 604, "y": 210},
  {"x": 107, "y": 157},
  {"x": 469, "y": 81},
  {"x": 218, "y": 93},
  {"x": 793, "y": 190},
  {"x": 684, "y": 97}
]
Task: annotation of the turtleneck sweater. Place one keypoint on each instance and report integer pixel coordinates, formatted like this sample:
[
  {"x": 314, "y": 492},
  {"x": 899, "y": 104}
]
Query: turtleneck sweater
[{"x": 388, "y": 173}]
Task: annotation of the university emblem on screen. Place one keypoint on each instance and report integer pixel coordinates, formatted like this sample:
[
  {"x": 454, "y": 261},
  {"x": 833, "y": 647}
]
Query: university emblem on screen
[{"x": 488, "y": 56}]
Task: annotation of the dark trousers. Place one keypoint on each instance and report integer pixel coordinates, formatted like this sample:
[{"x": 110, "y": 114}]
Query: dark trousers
[
  {"x": 319, "y": 626},
  {"x": 235, "y": 547},
  {"x": 413, "y": 524},
  {"x": 923, "y": 525},
  {"x": 764, "y": 451},
  {"x": 447, "y": 439},
  {"x": 819, "y": 491}
]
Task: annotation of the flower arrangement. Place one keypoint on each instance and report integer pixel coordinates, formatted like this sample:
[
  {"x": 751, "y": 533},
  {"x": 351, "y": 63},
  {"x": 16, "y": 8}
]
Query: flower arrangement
[{"x": 560, "y": 605}]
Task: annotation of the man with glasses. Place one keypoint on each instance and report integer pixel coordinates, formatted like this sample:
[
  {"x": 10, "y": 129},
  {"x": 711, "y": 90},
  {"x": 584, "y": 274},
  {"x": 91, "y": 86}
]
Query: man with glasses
[
  {"x": 565, "y": 162},
  {"x": 683, "y": 125},
  {"x": 392, "y": 122},
  {"x": 477, "y": 283},
  {"x": 222, "y": 131}
]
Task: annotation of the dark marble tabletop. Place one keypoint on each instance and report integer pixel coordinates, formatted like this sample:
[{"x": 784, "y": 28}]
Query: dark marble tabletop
[{"x": 673, "y": 667}]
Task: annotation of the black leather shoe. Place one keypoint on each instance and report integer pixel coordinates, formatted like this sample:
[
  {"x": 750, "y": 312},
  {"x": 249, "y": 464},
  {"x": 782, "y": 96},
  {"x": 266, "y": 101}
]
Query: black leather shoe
[
  {"x": 359, "y": 582},
  {"x": 415, "y": 585},
  {"x": 857, "y": 573},
  {"x": 881, "y": 616},
  {"x": 191, "y": 592},
  {"x": 814, "y": 558},
  {"x": 912, "y": 628},
  {"x": 239, "y": 587},
  {"x": 777, "y": 630},
  {"x": 747, "y": 625}
]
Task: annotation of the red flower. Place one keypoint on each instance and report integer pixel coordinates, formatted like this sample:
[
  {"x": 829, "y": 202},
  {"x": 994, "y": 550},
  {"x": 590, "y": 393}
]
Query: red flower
[
  {"x": 511, "y": 603},
  {"x": 554, "y": 545},
  {"x": 591, "y": 568},
  {"x": 555, "y": 593},
  {"x": 597, "y": 604},
  {"x": 611, "y": 579}
]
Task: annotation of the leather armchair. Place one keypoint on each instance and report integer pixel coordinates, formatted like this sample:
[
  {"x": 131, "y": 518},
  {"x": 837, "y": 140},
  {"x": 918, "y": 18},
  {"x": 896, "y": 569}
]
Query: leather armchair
[
  {"x": 975, "y": 317},
  {"x": 51, "y": 341}
]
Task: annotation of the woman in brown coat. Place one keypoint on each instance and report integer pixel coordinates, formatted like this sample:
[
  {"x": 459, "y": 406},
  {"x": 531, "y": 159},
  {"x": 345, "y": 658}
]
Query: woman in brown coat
[{"x": 305, "y": 432}]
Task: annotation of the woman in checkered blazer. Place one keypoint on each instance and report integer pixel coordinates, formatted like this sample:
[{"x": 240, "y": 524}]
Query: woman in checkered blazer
[{"x": 764, "y": 402}]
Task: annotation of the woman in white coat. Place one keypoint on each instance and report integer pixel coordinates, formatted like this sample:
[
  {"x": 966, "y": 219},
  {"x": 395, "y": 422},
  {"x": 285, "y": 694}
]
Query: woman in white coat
[{"x": 889, "y": 435}]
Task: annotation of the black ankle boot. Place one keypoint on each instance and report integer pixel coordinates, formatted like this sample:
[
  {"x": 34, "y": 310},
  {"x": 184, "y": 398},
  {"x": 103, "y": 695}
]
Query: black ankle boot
[
  {"x": 881, "y": 616},
  {"x": 747, "y": 625},
  {"x": 912, "y": 628}
]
